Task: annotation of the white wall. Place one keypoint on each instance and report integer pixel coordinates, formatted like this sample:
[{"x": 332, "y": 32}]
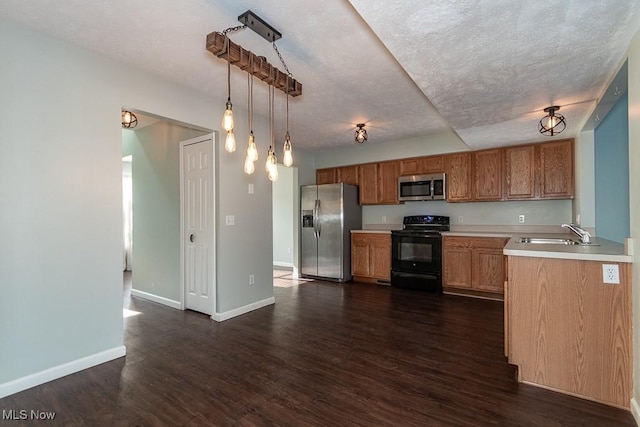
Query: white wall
[
  {"x": 584, "y": 201},
  {"x": 284, "y": 216},
  {"x": 634, "y": 204},
  {"x": 155, "y": 162},
  {"x": 61, "y": 223}
]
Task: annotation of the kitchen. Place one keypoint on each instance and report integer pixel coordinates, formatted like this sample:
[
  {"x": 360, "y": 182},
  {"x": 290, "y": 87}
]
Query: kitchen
[{"x": 192, "y": 106}]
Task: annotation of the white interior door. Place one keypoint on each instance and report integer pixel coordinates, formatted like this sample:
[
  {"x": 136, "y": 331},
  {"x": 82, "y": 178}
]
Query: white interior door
[{"x": 198, "y": 224}]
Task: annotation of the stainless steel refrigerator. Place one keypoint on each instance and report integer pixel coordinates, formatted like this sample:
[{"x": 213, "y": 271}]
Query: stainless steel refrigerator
[{"x": 328, "y": 213}]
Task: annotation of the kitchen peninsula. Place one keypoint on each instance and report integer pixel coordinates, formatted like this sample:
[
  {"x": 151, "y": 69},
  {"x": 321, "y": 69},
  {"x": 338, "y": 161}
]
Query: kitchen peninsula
[{"x": 566, "y": 328}]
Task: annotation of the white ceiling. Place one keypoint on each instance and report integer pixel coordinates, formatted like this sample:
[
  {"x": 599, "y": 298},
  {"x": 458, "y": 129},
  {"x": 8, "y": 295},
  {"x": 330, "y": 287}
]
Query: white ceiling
[{"x": 489, "y": 67}]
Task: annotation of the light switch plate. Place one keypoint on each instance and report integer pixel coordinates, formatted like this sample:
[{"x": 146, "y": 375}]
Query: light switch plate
[
  {"x": 230, "y": 220},
  {"x": 250, "y": 189}
]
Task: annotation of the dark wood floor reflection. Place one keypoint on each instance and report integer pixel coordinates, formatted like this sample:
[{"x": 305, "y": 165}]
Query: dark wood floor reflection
[{"x": 324, "y": 354}]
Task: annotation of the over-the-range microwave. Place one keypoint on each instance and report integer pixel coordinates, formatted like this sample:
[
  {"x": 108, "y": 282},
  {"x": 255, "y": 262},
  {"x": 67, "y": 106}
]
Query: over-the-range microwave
[{"x": 422, "y": 187}]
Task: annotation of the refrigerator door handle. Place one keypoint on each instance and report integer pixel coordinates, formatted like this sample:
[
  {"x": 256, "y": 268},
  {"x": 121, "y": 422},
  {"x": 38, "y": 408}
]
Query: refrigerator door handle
[
  {"x": 316, "y": 222},
  {"x": 315, "y": 219}
]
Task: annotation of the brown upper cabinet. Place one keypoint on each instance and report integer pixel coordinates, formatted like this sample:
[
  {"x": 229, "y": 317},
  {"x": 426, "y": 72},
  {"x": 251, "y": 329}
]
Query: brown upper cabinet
[
  {"x": 347, "y": 174},
  {"x": 421, "y": 165},
  {"x": 487, "y": 182},
  {"x": 326, "y": 176},
  {"x": 541, "y": 171},
  {"x": 523, "y": 172},
  {"x": 458, "y": 177},
  {"x": 378, "y": 183},
  {"x": 520, "y": 172},
  {"x": 556, "y": 169}
]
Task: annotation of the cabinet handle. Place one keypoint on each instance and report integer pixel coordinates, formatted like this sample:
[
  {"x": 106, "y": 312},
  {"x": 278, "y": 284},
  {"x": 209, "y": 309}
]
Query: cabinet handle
[{"x": 192, "y": 238}]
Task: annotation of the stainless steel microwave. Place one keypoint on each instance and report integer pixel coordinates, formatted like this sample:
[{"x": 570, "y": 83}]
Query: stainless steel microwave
[{"x": 422, "y": 187}]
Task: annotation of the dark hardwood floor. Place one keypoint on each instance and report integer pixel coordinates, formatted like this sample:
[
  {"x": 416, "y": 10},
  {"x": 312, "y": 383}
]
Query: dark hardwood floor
[{"x": 324, "y": 354}]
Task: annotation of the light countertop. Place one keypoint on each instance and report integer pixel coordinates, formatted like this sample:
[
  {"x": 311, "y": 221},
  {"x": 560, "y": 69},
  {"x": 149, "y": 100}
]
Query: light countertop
[
  {"x": 600, "y": 250},
  {"x": 371, "y": 231}
]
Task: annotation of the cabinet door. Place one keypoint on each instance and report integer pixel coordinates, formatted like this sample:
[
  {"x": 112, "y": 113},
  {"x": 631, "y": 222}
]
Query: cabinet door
[
  {"x": 421, "y": 165},
  {"x": 487, "y": 175},
  {"x": 388, "y": 182},
  {"x": 556, "y": 170},
  {"x": 488, "y": 270},
  {"x": 347, "y": 174},
  {"x": 410, "y": 166},
  {"x": 326, "y": 176},
  {"x": 458, "y": 180},
  {"x": 360, "y": 255},
  {"x": 381, "y": 256},
  {"x": 456, "y": 267},
  {"x": 432, "y": 164},
  {"x": 519, "y": 172},
  {"x": 368, "y": 179}
]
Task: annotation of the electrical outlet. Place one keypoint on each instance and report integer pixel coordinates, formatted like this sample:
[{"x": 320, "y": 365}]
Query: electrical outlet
[
  {"x": 384, "y": 219},
  {"x": 250, "y": 189},
  {"x": 230, "y": 220},
  {"x": 460, "y": 219},
  {"x": 521, "y": 219},
  {"x": 610, "y": 274},
  {"x": 252, "y": 279}
]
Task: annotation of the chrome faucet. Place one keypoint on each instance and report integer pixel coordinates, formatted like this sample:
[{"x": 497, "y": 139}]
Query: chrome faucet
[{"x": 584, "y": 235}]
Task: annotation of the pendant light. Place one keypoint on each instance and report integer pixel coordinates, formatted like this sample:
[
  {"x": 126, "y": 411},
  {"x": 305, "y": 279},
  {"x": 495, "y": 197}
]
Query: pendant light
[
  {"x": 252, "y": 151},
  {"x": 552, "y": 123},
  {"x": 227, "y": 118},
  {"x": 287, "y": 156},
  {"x": 271, "y": 165}
]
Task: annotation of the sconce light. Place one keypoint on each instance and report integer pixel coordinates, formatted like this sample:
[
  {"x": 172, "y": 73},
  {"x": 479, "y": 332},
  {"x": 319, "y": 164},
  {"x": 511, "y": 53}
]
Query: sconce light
[
  {"x": 129, "y": 120},
  {"x": 552, "y": 123},
  {"x": 361, "y": 133}
]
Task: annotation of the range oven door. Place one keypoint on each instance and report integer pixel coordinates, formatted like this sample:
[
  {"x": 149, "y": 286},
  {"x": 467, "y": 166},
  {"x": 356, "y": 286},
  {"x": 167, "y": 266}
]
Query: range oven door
[{"x": 416, "y": 253}]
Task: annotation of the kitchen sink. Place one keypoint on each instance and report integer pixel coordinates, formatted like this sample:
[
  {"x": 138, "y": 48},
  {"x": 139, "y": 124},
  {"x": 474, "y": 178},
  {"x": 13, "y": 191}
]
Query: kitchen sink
[{"x": 548, "y": 241}]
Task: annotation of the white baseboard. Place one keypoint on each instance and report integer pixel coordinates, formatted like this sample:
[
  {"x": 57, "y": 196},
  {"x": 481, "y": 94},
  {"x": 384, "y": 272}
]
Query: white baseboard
[
  {"x": 221, "y": 317},
  {"x": 635, "y": 410},
  {"x": 32, "y": 380},
  {"x": 283, "y": 264},
  {"x": 155, "y": 298}
]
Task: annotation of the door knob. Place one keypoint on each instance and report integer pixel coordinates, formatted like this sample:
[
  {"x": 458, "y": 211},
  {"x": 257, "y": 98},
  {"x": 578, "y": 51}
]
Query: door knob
[{"x": 192, "y": 238}]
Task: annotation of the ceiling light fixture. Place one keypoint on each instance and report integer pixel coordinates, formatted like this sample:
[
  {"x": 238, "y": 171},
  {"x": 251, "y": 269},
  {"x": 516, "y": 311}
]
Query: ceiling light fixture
[
  {"x": 552, "y": 123},
  {"x": 220, "y": 45},
  {"x": 361, "y": 133},
  {"x": 227, "y": 119},
  {"x": 129, "y": 120}
]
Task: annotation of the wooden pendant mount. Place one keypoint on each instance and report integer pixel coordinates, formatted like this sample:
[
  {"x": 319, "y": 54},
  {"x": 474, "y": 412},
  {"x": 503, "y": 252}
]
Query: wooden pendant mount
[{"x": 256, "y": 65}]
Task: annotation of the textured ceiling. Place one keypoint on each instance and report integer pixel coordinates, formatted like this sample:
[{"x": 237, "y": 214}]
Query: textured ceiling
[{"x": 488, "y": 66}]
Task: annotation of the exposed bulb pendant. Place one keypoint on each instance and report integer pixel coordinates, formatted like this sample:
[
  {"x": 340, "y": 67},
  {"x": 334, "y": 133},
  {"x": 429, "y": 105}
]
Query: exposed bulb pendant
[
  {"x": 227, "y": 119},
  {"x": 252, "y": 150},
  {"x": 287, "y": 156},
  {"x": 249, "y": 166},
  {"x": 230, "y": 142},
  {"x": 552, "y": 123}
]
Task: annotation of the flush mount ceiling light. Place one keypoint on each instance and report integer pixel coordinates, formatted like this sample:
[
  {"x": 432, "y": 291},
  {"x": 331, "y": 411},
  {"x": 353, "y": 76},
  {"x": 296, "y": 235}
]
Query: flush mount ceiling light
[
  {"x": 361, "y": 133},
  {"x": 129, "y": 120},
  {"x": 552, "y": 123},
  {"x": 221, "y": 46}
]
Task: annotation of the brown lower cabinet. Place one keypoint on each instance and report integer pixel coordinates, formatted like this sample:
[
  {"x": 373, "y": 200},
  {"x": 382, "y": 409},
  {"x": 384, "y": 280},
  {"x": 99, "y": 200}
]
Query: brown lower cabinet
[
  {"x": 474, "y": 263},
  {"x": 567, "y": 330},
  {"x": 370, "y": 257}
]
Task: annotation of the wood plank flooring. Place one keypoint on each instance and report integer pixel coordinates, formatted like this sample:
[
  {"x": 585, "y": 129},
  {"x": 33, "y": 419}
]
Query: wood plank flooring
[{"x": 324, "y": 354}]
